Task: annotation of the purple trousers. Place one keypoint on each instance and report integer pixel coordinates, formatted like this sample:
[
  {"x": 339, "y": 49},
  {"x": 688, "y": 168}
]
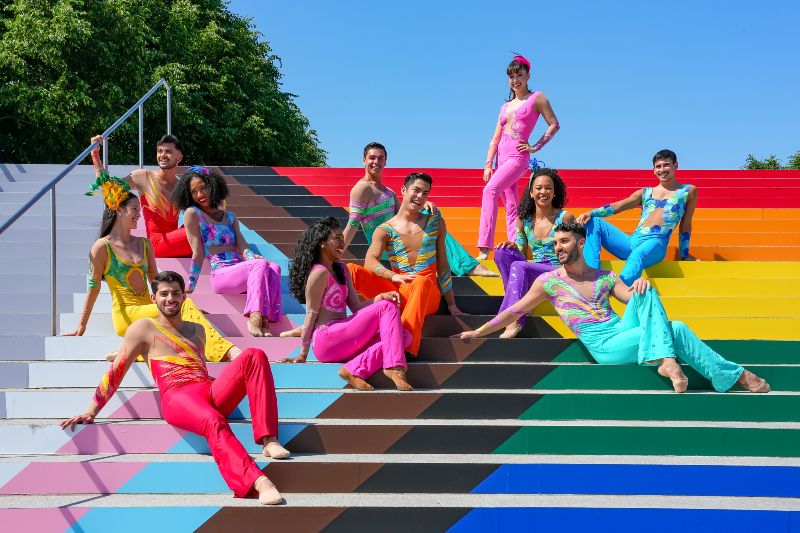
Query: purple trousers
[
  {"x": 260, "y": 278},
  {"x": 518, "y": 275},
  {"x": 369, "y": 340}
]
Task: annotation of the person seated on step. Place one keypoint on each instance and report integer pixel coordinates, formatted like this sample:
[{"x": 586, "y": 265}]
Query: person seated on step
[
  {"x": 370, "y": 339},
  {"x": 190, "y": 399},
  {"x": 126, "y": 263},
  {"x": 540, "y": 211},
  {"x": 155, "y": 189},
  {"x": 372, "y": 203},
  {"x": 664, "y": 207},
  {"x": 214, "y": 233},
  {"x": 581, "y": 296},
  {"x": 415, "y": 244}
]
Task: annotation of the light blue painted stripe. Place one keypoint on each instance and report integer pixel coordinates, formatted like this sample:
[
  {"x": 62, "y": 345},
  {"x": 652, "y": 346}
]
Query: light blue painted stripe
[
  {"x": 293, "y": 405},
  {"x": 178, "y": 478},
  {"x": 9, "y": 470},
  {"x": 193, "y": 443},
  {"x": 305, "y": 376},
  {"x": 138, "y": 519},
  {"x": 568, "y": 520}
]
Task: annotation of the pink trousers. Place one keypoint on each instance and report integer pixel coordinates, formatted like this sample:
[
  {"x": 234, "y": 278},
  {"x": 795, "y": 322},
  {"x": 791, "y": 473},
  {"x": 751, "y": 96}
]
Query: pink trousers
[
  {"x": 203, "y": 407},
  {"x": 260, "y": 278},
  {"x": 370, "y": 339},
  {"x": 503, "y": 183}
]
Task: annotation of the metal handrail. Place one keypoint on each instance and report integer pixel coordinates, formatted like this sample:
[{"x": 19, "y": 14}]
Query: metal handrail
[{"x": 51, "y": 185}]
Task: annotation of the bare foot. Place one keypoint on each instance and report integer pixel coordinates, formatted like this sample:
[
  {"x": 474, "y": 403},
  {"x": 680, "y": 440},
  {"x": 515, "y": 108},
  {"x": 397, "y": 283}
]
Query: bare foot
[
  {"x": 267, "y": 492},
  {"x": 398, "y": 376},
  {"x": 483, "y": 255},
  {"x": 512, "y": 330},
  {"x": 232, "y": 353},
  {"x": 265, "y": 332},
  {"x": 254, "y": 325},
  {"x": 110, "y": 356},
  {"x": 296, "y": 332},
  {"x": 752, "y": 383},
  {"x": 669, "y": 368},
  {"x": 274, "y": 450},
  {"x": 482, "y": 271},
  {"x": 354, "y": 381}
]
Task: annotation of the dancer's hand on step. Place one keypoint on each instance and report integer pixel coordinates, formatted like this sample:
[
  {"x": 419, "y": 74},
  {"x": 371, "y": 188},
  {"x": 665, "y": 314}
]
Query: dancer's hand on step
[
  {"x": 299, "y": 359},
  {"x": 583, "y": 218},
  {"x": 640, "y": 286},
  {"x": 467, "y": 335},
  {"x": 85, "y": 418},
  {"x": 79, "y": 331},
  {"x": 455, "y": 311},
  {"x": 402, "y": 278},
  {"x": 392, "y": 296},
  {"x": 507, "y": 244}
]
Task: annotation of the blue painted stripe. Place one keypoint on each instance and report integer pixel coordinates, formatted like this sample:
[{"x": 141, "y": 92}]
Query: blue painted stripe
[
  {"x": 685, "y": 480},
  {"x": 193, "y": 443},
  {"x": 572, "y": 519},
  {"x": 137, "y": 519},
  {"x": 178, "y": 478},
  {"x": 305, "y": 376}
]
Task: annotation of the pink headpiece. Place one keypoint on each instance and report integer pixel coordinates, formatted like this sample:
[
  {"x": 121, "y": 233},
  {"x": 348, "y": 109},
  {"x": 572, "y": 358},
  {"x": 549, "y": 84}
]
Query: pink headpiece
[{"x": 519, "y": 59}]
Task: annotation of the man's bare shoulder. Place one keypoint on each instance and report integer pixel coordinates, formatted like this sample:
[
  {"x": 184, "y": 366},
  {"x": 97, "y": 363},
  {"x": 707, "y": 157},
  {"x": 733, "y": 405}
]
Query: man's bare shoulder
[
  {"x": 140, "y": 329},
  {"x": 363, "y": 191}
]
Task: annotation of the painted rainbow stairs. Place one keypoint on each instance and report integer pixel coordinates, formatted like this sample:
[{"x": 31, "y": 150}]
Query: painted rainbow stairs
[{"x": 500, "y": 435}]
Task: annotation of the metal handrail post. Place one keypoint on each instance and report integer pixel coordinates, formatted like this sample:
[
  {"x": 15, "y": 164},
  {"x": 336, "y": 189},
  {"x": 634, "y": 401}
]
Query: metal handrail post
[
  {"x": 169, "y": 108},
  {"x": 53, "y": 288},
  {"x": 141, "y": 136},
  {"x": 106, "y": 142}
]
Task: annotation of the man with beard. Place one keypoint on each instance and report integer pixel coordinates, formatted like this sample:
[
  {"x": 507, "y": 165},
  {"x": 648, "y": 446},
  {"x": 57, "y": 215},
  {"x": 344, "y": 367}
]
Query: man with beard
[
  {"x": 155, "y": 190},
  {"x": 414, "y": 243},
  {"x": 190, "y": 398},
  {"x": 644, "y": 335}
]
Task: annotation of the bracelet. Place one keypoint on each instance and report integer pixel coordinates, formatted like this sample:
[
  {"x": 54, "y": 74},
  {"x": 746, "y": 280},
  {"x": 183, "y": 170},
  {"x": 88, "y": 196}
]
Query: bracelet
[{"x": 248, "y": 254}]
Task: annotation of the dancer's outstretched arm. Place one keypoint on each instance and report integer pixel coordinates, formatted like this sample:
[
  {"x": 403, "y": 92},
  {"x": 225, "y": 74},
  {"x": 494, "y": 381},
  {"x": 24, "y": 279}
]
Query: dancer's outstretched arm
[
  {"x": 97, "y": 265},
  {"x": 360, "y": 195},
  {"x": 135, "y": 343},
  {"x": 191, "y": 221},
  {"x": 241, "y": 243},
  {"x": 607, "y": 210},
  {"x": 685, "y": 227},
  {"x": 546, "y": 110},
  {"x": 527, "y": 303},
  {"x": 623, "y": 293}
]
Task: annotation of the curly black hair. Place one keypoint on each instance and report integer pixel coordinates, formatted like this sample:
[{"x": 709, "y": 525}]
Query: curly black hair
[
  {"x": 216, "y": 187},
  {"x": 527, "y": 207},
  {"x": 306, "y": 255}
]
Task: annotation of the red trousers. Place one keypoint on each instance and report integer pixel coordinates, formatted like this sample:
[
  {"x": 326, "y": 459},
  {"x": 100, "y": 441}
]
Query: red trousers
[{"x": 202, "y": 408}]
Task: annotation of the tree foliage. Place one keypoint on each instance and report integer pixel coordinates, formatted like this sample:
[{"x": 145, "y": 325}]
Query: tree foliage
[
  {"x": 772, "y": 162},
  {"x": 69, "y": 68}
]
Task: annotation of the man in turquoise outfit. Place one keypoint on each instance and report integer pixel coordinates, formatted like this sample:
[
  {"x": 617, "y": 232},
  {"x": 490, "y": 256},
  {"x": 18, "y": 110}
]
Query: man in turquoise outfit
[{"x": 643, "y": 335}]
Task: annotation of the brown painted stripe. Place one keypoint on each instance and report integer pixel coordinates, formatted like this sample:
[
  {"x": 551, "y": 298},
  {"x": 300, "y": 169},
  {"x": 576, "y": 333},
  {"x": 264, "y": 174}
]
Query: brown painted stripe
[
  {"x": 423, "y": 376},
  {"x": 396, "y": 519},
  {"x": 270, "y": 519},
  {"x": 347, "y": 439},
  {"x": 293, "y": 476},
  {"x": 376, "y": 406}
]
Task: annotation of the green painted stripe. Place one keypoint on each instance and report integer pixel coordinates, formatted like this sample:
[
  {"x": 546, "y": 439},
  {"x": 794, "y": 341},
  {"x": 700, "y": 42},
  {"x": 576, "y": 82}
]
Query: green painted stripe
[
  {"x": 708, "y": 407},
  {"x": 598, "y": 440},
  {"x": 758, "y": 352},
  {"x": 632, "y": 377}
]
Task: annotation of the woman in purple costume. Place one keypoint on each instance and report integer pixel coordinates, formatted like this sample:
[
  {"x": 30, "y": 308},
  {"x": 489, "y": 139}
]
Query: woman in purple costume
[
  {"x": 510, "y": 145},
  {"x": 540, "y": 211}
]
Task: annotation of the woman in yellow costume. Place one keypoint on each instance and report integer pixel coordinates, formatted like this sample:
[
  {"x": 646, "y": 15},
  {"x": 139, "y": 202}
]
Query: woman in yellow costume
[{"x": 126, "y": 263}]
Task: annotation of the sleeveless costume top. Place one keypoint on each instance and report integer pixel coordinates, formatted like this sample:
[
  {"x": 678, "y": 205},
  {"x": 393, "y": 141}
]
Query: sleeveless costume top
[
  {"x": 335, "y": 296},
  {"x": 161, "y": 215},
  {"x": 573, "y": 308},
  {"x": 426, "y": 258},
  {"x": 216, "y": 233},
  {"x": 173, "y": 371},
  {"x": 117, "y": 275},
  {"x": 542, "y": 250},
  {"x": 517, "y": 126},
  {"x": 673, "y": 209},
  {"x": 372, "y": 214}
]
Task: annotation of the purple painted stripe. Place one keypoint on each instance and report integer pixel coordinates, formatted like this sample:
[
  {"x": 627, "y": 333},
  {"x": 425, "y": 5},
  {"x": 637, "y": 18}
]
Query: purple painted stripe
[{"x": 72, "y": 478}]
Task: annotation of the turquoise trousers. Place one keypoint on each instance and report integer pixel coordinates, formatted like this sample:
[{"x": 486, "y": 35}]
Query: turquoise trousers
[{"x": 644, "y": 335}]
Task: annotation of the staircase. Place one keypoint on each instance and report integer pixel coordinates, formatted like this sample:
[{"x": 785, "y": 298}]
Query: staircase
[{"x": 525, "y": 434}]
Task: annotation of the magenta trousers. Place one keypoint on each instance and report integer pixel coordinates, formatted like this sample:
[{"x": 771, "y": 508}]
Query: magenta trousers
[
  {"x": 369, "y": 340},
  {"x": 502, "y": 184},
  {"x": 259, "y": 278},
  {"x": 203, "y": 407}
]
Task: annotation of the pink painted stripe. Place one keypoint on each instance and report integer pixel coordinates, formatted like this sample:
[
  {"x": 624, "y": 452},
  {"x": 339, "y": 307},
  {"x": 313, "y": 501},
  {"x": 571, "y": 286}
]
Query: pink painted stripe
[
  {"x": 72, "y": 478},
  {"x": 143, "y": 404},
  {"x": 123, "y": 438},
  {"x": 235, "y": 325},
  {"x": 39, "y": 520}
]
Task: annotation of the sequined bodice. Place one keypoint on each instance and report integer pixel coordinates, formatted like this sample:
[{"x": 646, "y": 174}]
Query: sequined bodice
[
  {"x": 426, "y": 257},
  {"x": 573, "y": 308},
  {"x": 217, "y": 234},
  {"x": 673, "y": 209},
  {"x": 542, "y": 250},
  {"x": 186, "y": 366},
  {"x": 373, "y": 213}
]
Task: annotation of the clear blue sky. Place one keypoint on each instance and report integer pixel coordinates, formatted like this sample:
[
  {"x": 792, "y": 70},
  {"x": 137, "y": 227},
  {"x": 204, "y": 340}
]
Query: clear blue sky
[{"x": 713, "y": 80}]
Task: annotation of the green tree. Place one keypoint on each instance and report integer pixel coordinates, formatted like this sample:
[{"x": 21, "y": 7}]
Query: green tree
[
  {"x": 69, "y": 68},
  {"x": 772, "y": 163}
]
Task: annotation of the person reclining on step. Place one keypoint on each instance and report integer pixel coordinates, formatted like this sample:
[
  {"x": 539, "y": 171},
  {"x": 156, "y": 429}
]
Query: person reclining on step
[
  {"x": 155, "y": 189},
  {"x": 214, "y": 234},
  {"x": 372, "y": 203},
  {"x": 370, "y": 339},
  {"x": 414, "y": 243},
  {"x": 644, "y": 335},
  {"x": 540, "y": 211},
  {"x": 664, "y": 207},
  {"x": 190, "y": 399},
  {"x": 126, "y": 263}
]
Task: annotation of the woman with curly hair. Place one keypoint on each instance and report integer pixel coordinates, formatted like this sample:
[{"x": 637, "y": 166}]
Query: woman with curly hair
[
  {"x": 370, "y": 339},
  {"x": 540, "y": 211},
  {"x": 214, "y": 233},
  {"x": 127, "y": 262}
]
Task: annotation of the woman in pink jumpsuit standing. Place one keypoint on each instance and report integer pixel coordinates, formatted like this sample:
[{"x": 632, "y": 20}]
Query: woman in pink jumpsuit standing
[{"x": 510, "y": 147}]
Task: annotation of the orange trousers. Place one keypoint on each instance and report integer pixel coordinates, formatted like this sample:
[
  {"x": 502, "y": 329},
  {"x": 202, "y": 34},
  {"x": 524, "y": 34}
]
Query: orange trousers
[{"x": 418, "y": 299}]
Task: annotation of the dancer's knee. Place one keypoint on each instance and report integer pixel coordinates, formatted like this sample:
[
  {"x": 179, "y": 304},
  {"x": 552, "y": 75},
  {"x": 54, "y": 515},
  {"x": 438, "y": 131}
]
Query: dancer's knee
[{"x": 254, "y": 357}]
